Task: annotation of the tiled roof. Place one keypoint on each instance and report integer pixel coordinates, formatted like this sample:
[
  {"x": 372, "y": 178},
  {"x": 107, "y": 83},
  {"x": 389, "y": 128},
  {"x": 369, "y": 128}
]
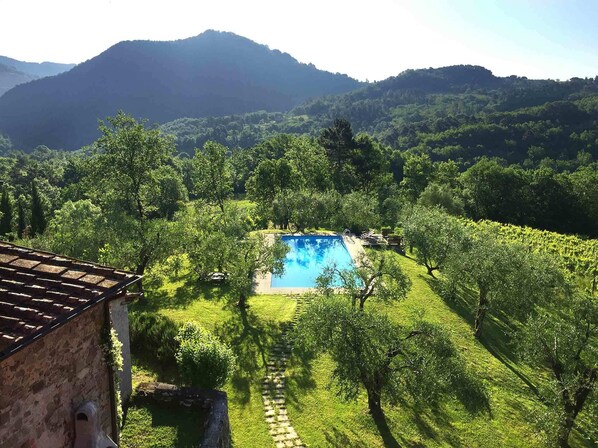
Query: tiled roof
[{"x": 39, "y": 291}]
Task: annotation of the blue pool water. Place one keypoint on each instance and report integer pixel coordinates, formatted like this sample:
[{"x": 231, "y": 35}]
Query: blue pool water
[{"x": 307, "y": 257}]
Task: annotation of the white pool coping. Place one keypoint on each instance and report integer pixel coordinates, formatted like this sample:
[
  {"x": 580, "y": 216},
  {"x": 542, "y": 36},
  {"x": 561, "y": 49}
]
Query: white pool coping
[{"x": 262, "y": 283}]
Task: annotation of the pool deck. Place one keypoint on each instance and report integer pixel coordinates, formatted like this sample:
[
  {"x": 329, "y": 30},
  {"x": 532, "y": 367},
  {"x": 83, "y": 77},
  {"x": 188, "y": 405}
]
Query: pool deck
[{"x": 262, "y": 283}]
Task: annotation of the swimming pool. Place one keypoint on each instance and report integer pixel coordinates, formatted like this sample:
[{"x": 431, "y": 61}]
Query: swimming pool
[{"x": 307, "y": 257}]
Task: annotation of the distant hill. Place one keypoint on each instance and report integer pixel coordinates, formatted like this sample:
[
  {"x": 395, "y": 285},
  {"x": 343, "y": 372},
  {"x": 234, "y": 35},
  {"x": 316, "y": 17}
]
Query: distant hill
[
  {"x": 14, "y": 72},
  {"x": 461, "y": 113},
  {"x": 38, "y": 69},
  {"x": 10, "y": 77},
  {"x": 212, "y": 74}
]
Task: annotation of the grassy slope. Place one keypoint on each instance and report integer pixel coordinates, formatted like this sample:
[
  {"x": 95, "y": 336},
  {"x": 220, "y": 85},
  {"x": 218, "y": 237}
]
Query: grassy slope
[
  {"x": 321, "y": 419},
  {"x": 250, "y": 335}
]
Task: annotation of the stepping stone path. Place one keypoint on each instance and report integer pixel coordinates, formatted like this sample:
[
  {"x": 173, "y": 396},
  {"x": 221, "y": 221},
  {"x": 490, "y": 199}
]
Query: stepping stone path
[{"x": 275, "y": 409}]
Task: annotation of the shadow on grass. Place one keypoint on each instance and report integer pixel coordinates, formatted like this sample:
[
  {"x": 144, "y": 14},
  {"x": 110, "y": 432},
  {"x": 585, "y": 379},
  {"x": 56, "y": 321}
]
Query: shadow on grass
[
  {"x": 425, "y": 417},
  {"x": 339, "y": 439},
  {"x": 300, "y": 379},
  {"x": 385, "y": 433},
  {"x": 188, "y": 290},
  {"x": 496, "y": 328},
  {"x": 250, "y": 339},
  {"x": 147, "y": 423}
]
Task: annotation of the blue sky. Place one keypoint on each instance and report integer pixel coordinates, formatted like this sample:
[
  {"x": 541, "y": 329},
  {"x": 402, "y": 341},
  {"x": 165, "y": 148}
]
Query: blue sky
[{"x": 372, "y": 39}]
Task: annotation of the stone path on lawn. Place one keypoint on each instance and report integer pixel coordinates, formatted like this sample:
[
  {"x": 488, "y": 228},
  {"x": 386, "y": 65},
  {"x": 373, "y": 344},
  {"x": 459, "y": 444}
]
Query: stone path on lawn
[{"x": 273, "y": 388}]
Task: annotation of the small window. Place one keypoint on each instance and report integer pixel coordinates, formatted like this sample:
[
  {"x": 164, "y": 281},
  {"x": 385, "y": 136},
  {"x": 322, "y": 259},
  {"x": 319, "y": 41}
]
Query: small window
[{"x": 82, "y": 416}]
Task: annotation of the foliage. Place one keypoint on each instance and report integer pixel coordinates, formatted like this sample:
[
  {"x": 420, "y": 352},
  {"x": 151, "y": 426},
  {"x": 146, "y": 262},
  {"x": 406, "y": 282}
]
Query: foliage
[
  {"x": 112, "y": 348},
  {"x": 434, "y": 234},
  {"x": 213, "y": 174},
  {"x": 358, "y": 212},
  {"x": 6, "y": 207},
  {"x": 212, "y": 237},
  {"x": 254, "y": 256},
  {"x": 507, "y": 277},
  {"x": 155, "y": 331},
  {"x": 566, "y": 343},
  {"x": 203, "y": 360},
  {"x": 38, "y": 215},
  {"x": 379, "y": 276},
  {"x": 442, "y": 196},
  {"x": 127, "y": 165},
  {"x": 371, "y": 352},
  {"x": 575, "y": 255},
  {"x": 21, "y": 217},
  {"x": 76, "y": 230}
]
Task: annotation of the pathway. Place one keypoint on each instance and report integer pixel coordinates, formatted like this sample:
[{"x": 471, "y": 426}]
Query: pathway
[{"x": 274, "y": 385}]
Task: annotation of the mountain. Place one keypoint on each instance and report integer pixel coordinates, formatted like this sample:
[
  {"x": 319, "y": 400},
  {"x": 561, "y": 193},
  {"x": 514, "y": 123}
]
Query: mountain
[
  {"x": 212, "y": 74},
  {"x": 10, "y": 77},
  {"x": 13, "y": 72},
  {"x": 37, "y": 69}
]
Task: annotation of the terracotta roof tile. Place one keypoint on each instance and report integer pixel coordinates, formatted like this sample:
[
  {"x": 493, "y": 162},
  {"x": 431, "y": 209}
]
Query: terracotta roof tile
[{"x": 40, "y": 290}]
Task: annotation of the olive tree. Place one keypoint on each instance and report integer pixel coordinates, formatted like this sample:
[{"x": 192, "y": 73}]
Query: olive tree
[
  {"x": 388, "y": 361},
  {"x": 434, "y": 234},
  {"x": 379, "y": 275},
  {"x": 507, "y": 277},
  {"x": 566, "y": 343},
  {"x": 254, "y": 255}
]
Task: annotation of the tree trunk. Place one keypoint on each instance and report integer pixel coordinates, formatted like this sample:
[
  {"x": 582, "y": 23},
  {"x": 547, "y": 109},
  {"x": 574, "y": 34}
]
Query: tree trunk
[
  {"x": 374, "y": 402},
  {"x": 242, "y": 303},
  {"x": 480, "y": 313},
  {"x": 140, "y": 271},
  {"x": 573, "y": 407},
  {"x": 565, "y": 430},
  {"x": 431, "y": 270}
]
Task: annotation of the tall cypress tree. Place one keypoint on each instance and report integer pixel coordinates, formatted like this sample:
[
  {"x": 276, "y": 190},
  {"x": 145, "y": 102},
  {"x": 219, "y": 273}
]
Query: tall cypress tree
[
  {"x": 6, "y": 210},
  {"x": 21, "y": 223},
  {"x": 38, "y": 218}
]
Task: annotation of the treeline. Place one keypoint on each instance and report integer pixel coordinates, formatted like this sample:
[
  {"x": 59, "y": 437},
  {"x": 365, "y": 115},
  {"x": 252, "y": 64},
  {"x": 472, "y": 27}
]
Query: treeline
[
  {"x": 305, "y": 181},
  {"x": 462, "y": 113}
]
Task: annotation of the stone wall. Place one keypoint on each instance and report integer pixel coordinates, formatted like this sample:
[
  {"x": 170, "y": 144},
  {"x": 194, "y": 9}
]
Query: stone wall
[
  {"x": 43, "y": 384},
  {"x": 217, "y": 426},
  {"x": 119, "y": 317}
]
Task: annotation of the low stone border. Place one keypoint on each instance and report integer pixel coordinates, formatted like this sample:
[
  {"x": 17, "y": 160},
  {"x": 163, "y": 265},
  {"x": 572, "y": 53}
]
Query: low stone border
[{"x": 217, "y": 426}]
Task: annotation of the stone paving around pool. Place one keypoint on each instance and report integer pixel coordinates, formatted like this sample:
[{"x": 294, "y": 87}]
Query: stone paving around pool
[
  {"x": 262, "y": 283},
  {"x": 273, "y": 392}
]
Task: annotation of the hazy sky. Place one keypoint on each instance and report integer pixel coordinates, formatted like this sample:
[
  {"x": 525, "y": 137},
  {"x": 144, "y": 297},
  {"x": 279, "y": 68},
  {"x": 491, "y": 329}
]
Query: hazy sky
[{"x": 370, "y": 39}]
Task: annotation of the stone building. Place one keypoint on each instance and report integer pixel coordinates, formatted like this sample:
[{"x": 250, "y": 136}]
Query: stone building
[{"x": 55, "y": 314}]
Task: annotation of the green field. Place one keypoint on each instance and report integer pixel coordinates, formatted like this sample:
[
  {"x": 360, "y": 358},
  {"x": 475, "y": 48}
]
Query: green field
[
  {"x": 318, "y": 415},
  {"x": 157, "y": 426}
]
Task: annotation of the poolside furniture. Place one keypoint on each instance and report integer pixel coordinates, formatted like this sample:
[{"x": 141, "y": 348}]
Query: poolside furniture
[
  {"x": 217, "y": 277},
  {"x": 372, "y": 239}
]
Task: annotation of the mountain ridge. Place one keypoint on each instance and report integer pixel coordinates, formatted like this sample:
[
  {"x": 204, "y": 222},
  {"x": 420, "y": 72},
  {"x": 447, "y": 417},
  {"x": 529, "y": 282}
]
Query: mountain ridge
[
  {"x": 14, "y": 72},
  {"x": 211, "y": 74}
]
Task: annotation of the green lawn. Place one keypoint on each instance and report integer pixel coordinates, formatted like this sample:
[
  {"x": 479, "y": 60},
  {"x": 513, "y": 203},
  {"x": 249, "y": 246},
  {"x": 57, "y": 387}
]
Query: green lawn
[
  {"x": 250, "y": 334},
  {"x": 318, "y": 415},
  {"x": 159, "y": 426}
]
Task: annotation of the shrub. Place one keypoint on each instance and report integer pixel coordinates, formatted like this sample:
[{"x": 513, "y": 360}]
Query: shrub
[
  {"x": 153, "y": 335},
  {"x": 203, "y": 360}
]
